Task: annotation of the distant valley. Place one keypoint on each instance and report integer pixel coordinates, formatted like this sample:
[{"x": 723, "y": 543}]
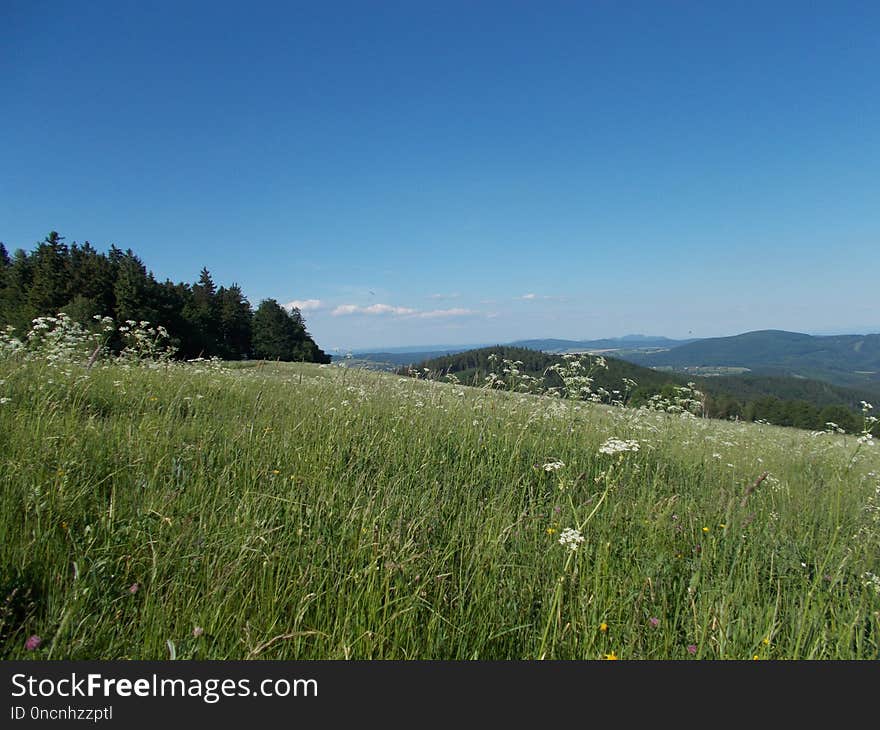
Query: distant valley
[
  {"x": 849, "y": 361},
  {"x": 845, "y": 360}
]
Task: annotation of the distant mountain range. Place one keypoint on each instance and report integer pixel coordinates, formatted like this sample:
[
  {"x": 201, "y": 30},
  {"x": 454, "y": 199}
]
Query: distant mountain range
[
  {"x": 845, "y": 360},
  {"x": 394, "y": 357},
  {"x": 851, "y": 361},
  {"x": 633, "y": 343}
]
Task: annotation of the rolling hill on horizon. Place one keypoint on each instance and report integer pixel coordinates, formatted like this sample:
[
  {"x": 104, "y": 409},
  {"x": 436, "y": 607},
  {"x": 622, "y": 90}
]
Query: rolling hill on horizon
[
  {"x": 391, "y": 358},
  {"x": 843, "y": 360},
  {"x": 782, "y": 400}
]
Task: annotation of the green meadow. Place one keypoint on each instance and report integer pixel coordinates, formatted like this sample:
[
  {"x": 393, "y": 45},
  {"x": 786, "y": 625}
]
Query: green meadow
[{"x": 297, "y": 511}]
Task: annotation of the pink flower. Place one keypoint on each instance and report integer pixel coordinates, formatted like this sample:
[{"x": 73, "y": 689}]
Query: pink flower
[
  {"x": 655, "y": 622},
  {"x": 33, "y": 643},
  {"x": 134, "y": 588},
  {"x": 692, "y": 648}
]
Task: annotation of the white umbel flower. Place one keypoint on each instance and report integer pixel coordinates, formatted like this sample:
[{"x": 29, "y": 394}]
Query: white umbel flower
[
  {"x": 618, "y": 446},
  {"x": 571, "y": 538},
  {"x": 553, "y": 465}
]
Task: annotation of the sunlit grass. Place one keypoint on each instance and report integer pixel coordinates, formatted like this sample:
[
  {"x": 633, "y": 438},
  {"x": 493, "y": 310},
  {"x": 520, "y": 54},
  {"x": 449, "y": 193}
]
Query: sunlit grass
[{"x": 290, "y": 511}]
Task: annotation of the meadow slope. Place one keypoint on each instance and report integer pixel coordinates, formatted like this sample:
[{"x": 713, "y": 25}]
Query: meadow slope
[{"x": 291, "y": 511}]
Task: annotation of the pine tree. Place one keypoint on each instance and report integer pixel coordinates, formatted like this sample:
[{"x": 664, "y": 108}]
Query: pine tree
[
  {"x": 202, "y": 312},
  {"x": 235, "y": 317},
  {"x": 134, "y": 290},
  {"x": 91, "y": 278},
  {"x": 15, "y": 309},
  {"x": 48, "y": 291},
  {"x": 281, "y": 335}
]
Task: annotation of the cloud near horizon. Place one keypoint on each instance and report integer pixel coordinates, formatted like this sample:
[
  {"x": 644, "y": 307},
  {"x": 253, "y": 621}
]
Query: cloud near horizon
[
  {"x": 388, "y": 309},
  {"x": 305, "y": 305}
]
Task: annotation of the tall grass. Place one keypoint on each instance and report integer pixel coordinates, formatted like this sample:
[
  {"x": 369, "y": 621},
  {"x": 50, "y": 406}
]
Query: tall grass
[{"x": 305, "y": 512}]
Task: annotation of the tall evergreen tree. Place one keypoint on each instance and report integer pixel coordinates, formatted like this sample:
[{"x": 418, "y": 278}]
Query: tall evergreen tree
[
  {"x": 15, "y": 307},
  {"x": 91, "y": 278},
  {"x": 203, "y": 315},
  {"x": 48, "y": 292},
  {"x": 235, "y": 317},
  {"x": 281, "y": 335},
  {"x": 133, "y": 289}
]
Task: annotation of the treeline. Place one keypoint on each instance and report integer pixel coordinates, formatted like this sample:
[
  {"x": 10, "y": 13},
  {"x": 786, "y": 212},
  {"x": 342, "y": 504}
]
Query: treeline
[
  {"x": 203, "y": 320},
  {"x": 806, "y": 404}
]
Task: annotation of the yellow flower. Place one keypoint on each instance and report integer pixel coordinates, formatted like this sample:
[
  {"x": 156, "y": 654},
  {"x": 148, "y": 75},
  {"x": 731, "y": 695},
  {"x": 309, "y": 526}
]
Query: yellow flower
[
  {"x": 603, "y": 627},
  {"x": 550, "y": 530},
  {"x": 756, "y": 658},
  {"x": 766, "y": 641},
  {"x": 612, "y": 657},
  {"x": 705, "y": 529},
  {"x": 722, "y": 526},
  {"x": 276, "y": 471}
]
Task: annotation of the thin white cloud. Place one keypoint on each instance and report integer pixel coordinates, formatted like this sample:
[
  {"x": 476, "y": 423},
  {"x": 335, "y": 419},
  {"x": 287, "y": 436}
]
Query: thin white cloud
[
  {"x": 305, "y": 305},
  {"x": 530, "y": 297},
  {"x": 441, "y": 313},
  {"x": 374, "y": 309},
  {"x": 345, "y": 309},
  {"x": 454, "y": 295},
  {"x": 388, "y": 309}
]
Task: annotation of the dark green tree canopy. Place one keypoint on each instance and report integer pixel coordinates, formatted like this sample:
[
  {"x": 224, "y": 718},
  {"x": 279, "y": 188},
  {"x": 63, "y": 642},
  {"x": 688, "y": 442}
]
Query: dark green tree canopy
[
  {"x": 279, "y": 334},
  {"x": 202, "y": 319}
]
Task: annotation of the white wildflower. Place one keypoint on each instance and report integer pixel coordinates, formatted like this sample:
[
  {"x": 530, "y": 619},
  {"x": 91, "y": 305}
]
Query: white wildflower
[
  {"x": 553, "y": 465},
  {"x": 571, "y": 538},
  {"x": 618, "y": 446},
  {"x": 870, "y": 580}
]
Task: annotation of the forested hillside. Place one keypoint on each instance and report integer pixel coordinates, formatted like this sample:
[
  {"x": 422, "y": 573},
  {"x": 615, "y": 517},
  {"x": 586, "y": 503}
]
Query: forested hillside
[
  {"x": 845, "y": 360},
  {"x": 202, "y": 319},
  {"x": 782, "y": 401}
]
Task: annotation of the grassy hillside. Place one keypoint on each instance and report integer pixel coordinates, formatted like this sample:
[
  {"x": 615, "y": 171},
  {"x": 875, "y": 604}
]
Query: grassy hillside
[{"x": 305, "y": 512}]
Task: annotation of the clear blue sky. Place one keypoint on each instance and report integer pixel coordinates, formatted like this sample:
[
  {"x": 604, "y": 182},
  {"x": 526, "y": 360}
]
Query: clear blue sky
[{"x": 462, "y": 172}]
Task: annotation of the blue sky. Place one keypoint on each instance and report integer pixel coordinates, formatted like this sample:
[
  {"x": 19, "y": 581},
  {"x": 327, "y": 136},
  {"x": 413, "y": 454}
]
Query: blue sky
[{"x": 462, "y": 172}]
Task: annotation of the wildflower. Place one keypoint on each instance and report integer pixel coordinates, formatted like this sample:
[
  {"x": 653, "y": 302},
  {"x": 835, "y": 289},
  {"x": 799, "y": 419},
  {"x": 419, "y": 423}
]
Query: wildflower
[
  {"x": 571, "y": 538},
  {"x": 617, "y": 446},
  {"x": 33, "y": 643},
  {"x": 654, "y": 621},
  {"x": 870, "y": 580},
  {"x": 553, "y": 465},
  {"x": 766, "y": 641},
  {"x": 198, "y": 631},
  {"x": 692, "y": 648},
  {"x": 611, "y": 657},
  {"x": 134, "y": 588},
  {"x": 551, "y": 530},
  {"x": 603, "y": 627},
  {"x": 756, "y": 658},
  {"x": 705, "y": 529}
]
